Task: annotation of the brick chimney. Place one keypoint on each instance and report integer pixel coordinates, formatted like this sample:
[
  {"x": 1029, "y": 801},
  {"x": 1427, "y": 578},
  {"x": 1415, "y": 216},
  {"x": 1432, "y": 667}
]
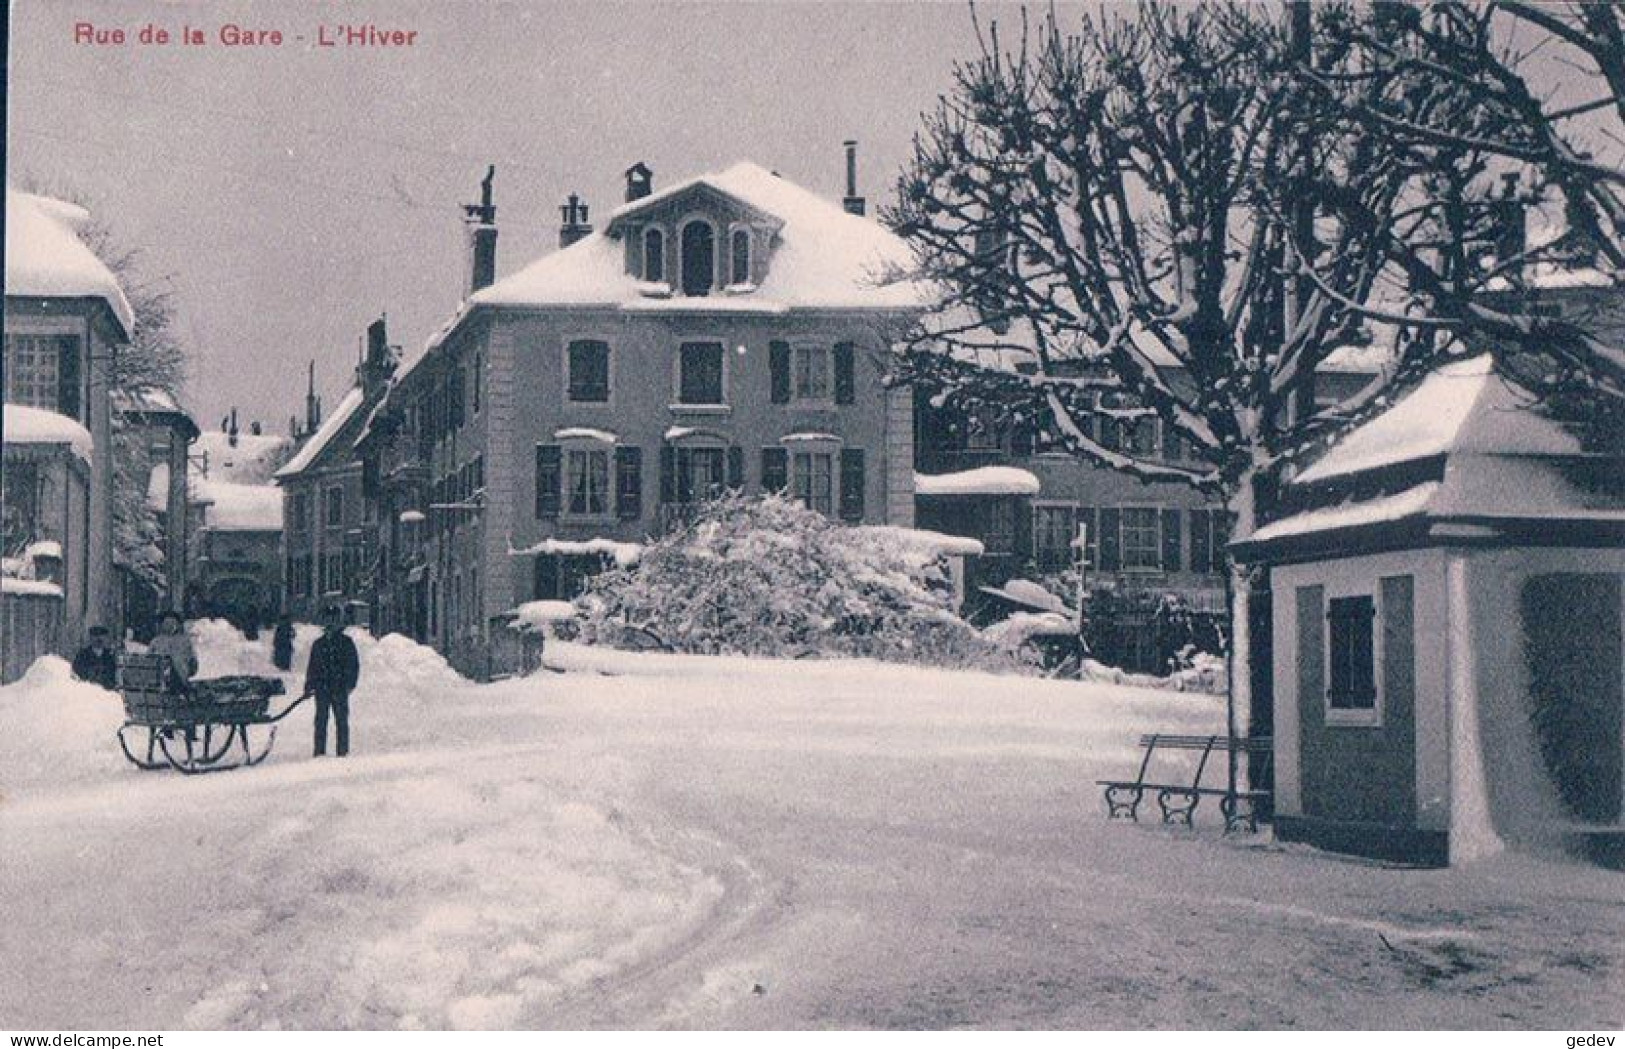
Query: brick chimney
[
  {"x": 313, "y": 403},
  {"x": 639, "y": 181},
  {"x": 480, "y": 226},
  {"x": 854, "y": 204},
  {"x": 573, "y": 225}
]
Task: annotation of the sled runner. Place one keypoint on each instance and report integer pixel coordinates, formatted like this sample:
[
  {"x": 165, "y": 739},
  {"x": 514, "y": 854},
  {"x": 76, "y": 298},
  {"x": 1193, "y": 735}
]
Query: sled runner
[{"x": 196, "y": 726}]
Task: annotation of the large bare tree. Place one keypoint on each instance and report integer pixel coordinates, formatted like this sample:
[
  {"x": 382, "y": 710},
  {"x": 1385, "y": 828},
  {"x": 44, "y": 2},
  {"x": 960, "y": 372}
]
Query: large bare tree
[{"x": 1186, "y": 210}]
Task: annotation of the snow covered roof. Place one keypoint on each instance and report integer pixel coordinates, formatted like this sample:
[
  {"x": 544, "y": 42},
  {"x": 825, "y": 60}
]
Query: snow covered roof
[
  {"x": 825, "y": 257},
  {"x": 625, "y": 554},
  {"x": 984, "y": 480},
  {"x": 1411, "y": 502},
  {"x": 235, "y": 507},
  {"x": 25, "y": 425},
  {"x": 46, "y": 258},
  {"x": 924, "y": 540},
  {"x": 252, "y": 460},
  {"x": 325, "y": 434},
  {"x": 1462, "y": 407}
]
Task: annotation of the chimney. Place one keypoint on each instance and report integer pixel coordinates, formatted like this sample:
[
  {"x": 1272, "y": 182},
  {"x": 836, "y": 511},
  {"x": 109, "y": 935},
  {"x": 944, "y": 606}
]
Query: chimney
[
  {"x": 231, "y": 429},
  {"x": 313, "y": 404},
  {"x": 574, "y": 225},
  {"x": 639, "y": 181},
  {"x": 255, "y": 429},
  {"x": 480, "y": 226},
  {"x": 853, "y": 203},
  {"x": 378, "y": 364}
]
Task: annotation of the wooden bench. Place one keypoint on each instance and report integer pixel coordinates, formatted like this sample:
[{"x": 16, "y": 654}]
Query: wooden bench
[{"x": 1178, "y": 798}]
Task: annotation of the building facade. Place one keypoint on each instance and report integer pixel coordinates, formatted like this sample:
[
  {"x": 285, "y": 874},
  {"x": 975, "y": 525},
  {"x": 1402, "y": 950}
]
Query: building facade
[
  {"x": 327, "y": 530},
  {"x": 65, "y": 319},
  {"x": 726, "y": 333}
]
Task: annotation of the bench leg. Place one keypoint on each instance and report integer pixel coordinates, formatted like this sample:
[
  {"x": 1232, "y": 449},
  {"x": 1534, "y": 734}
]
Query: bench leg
[
  {"x": 1239, "y": 813},
  {"x": 1175, "y": 812},
  {"x": 1119, "y": 808}
]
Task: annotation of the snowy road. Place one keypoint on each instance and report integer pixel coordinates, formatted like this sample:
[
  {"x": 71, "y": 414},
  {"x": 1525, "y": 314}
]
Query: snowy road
[{"x": 710, "y": 843}]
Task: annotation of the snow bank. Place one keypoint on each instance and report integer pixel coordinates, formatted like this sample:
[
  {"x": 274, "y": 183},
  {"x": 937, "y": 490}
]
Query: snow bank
[
  {"x": 56, "y": 730},
  {"x": 984, "y": 480},
  {"x": 25, "y": 425},
  {"x": 46, "y": 258}
]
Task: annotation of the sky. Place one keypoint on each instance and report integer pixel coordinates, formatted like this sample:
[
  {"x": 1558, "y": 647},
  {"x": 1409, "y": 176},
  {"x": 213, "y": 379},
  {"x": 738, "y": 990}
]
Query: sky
[{"x": 291, "y": 194}]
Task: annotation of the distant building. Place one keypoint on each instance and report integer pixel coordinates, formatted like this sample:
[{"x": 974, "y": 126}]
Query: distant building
[
  {"x": 327, "y": 551},
  {"x": 726, "y": 332},
  {"x": 238, "y": 503},
  {"x": 65, "y": 319}
]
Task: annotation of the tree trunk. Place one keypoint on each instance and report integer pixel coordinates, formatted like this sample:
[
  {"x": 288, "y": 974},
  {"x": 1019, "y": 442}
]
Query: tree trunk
[{"x": 1239, "y": 699}]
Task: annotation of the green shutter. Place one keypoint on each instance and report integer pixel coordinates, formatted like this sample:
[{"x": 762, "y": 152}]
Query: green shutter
[
  {"x": 736, "y": 468},
  {"x": 852, "y": 481},
  {"x": 1111, "y": 559},
  {"x": 628, "y": 482},
  {"x": 1170, "y": 540},
  {"x": 845, "y": 378},
  {"x": 1311, "y": 602},
  {"x": 69, "y": 377},
  {"x": 775, "y": 469},
  {"x": 548, "y": 480},
  {"x": 778, "y": 355},
  {"x": 1398, "y": 648}
]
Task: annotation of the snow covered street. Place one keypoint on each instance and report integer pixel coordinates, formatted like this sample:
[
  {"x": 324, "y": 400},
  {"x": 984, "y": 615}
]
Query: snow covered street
[{"x": 663, "y": 841}]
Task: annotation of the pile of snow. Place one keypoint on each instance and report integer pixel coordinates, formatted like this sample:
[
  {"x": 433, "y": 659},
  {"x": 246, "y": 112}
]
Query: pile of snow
[
  {"x": 394, "y": 665},
  {"x": 1204, "y": 673},
  {"x": 922, "y": 543},
  {"x": 25, "y": 425},
  {"x": 537, "y": 616},
  {"x": 57, "y": 729},
  {"x": 984, "y": 480},
  {"x": 46, "y": 258}
]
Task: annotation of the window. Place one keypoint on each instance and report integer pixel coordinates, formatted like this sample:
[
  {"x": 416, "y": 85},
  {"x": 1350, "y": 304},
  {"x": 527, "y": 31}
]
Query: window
[
  {"x": 588, "y": 369},
  {"x": 811, "y": 480},
  {"x": 332, "y": 573},
  {"x": 654, "y": 256},
  {"x": 334, "y": 501},
  {"x": 587, "y": 479},
  {"x": 700, "y": 373},
  {"x": 1209, "y": 534},
  {"x": 1140, "y": 435},
  {"x": 1142, "y": 540},
  {"x": 42, "y": 371},
  {"x": 1351, "y": 654},
  {"x": 699, "y": 258},
  {"x": 1054, "y": 529},
  {"x": 999, "y": 531},
  {"x": 739, "y": 248},
  {"x": 298, "y": 513},
  {"x": 811, "y": 373}
]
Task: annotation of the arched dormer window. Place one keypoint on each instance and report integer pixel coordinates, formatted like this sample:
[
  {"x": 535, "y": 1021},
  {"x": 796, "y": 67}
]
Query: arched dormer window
[
  {"x": 699, "y": 257},
  {"x": 654, "y": 256},
  {"x": 739, "y": 257}
]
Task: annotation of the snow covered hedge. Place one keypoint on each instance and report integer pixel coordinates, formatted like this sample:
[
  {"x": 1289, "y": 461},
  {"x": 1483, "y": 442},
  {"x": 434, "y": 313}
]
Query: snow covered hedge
[{"x": 765, "y": 576}]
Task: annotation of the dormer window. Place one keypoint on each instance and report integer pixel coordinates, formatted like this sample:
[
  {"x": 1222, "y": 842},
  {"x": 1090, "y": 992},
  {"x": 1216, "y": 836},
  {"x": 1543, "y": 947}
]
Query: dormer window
[
  {"x": 654, "y": 256},
  {"x": 739, "y": 250},
  {"x": 698, "y": 258}
]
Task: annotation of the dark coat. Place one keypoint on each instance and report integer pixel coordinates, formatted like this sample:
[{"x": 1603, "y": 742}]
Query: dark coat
[
  {"x": 282, "y": 646},
  {"x": 334, "y": 666},
  {"x": 99, "y": 668}
]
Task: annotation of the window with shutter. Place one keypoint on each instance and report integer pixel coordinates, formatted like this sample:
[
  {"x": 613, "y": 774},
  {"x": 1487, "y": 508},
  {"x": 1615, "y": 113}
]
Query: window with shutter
[
  {"x": 775, "y": 469},
  {"x": 852, "y": 481},
  {"x": 810, "y": 373},
  {"x": 736, "y": 468},
  {"x": 698, "y": 251},
  {"x": 700, "y": 378},
  {"x": 845, "y": 373},
  {"x": 628, "y": 483},
  {"x": 587, "y": 362},
  {"x": 739, "y": 247},
  {"x": 654, "y": 256},
  {"x": 1201, "y": 540},
  {"x": 548, "y": 480},
  {"x": 1053, "y": 532},
  {"x": 1141, "y": 541}
]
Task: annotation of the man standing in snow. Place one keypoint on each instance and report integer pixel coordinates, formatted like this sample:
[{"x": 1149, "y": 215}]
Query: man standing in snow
[{"x": 331, "y": 674}]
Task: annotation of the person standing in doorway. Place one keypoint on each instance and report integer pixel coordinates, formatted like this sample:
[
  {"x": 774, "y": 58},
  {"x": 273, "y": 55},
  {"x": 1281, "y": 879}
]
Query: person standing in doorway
[{"x": 331, "y": 676}]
